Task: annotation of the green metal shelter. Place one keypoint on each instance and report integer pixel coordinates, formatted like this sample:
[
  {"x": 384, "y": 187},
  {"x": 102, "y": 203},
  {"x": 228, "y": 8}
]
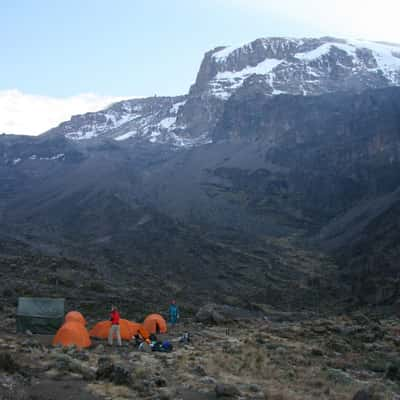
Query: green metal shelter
[{"x": 40, "y": 315}]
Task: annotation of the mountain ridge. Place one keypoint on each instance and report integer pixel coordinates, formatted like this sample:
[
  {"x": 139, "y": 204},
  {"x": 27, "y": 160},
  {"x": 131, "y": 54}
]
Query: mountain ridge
[{"x": 270, "y": 66}]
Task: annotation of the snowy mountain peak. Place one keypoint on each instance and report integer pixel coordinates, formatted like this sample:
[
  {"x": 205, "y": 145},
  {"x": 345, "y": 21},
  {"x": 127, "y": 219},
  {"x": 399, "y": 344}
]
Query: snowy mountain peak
[
  {"x": 300, "y": 66},
  {"x": 267, "y": 66}
]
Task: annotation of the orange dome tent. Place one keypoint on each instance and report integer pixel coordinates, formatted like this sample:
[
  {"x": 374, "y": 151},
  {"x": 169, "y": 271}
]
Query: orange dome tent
[
  {"x": 72, "y": 333},
  {"x": 75, "y": 316},
  {"x": 155, "y": 323},
  {"x": 128, "y": 329}
]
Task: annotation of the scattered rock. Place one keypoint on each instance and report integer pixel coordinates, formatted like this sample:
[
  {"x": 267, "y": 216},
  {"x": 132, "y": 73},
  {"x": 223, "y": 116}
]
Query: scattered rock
[
  {"x": 317, "y": 352},
  {"x": 361, "y": 318},
  {"x": 254, "y": 388},
  {"x": 99, "y": 349},
  {"x": 105, "y": 369},
  {"x": 338, "y": 346},
  {"x": 199, "y": 370},
  {"x": 319, "y": 329},
  {"x": 121, "y": 376},
  {"x": 160, "y": 382},
  {"x": 54, "y": 374},
  {"x": 393, "y": 372},
  {"x": 32, "y": 344},
  {"x": 339, "y": 377},
  {"x": 114, "y": 373},
  {"x": 361, "y": 395},
  {"x": 375, "y": 392},
  {"x": 8, "y": 364},
  {"x": 166, "y": 394},
  {"x": 209, "y": 314},
  {"x": 281, "y": 350},
  {"x": 143, "y": 387},
  {"x": 208, "y": 380},
  {"x": 226, "y": 390}
]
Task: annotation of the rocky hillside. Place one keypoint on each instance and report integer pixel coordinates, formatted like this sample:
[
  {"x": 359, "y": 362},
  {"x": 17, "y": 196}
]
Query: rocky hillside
[{"x": 279, "y": 145}]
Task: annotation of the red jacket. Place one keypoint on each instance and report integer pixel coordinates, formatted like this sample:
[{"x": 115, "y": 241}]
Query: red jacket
[{"x": 114, "y": 317}]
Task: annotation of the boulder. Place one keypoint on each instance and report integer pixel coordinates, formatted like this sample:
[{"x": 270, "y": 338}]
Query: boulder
[
  {"x": 393, "y": 372},
  {"x": 7, "y": 363},
  {"x": 210, "y": 314},
  {"x": 317, "y": 352},
  {"x": 166, "y": 394},
  {"x": 105, "y": 369},
  {"x": 117, "y": 374},
  {"x": 375, "y": 392},
  {"x": 226, "y": 390},
  {"x": 99, "y": 348},
  {"x": 361, "y": 395},
  {"x": 160, "y": 382},
  {"x": 121, "y": 376},
  {"x": 199, "y": 370},
  {"x": 319, "y": 329},
  {"x": 339, "y": 377}
]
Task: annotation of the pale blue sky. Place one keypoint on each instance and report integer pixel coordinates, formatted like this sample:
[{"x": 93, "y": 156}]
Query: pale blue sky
[
  {"x": 64, "y": 48},
  {"x": 118, "y": 47}
]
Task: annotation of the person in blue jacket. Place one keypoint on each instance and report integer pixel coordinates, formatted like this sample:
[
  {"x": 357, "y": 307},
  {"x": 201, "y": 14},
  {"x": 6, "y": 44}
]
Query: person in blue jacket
[{"x": 173, "y": 313}]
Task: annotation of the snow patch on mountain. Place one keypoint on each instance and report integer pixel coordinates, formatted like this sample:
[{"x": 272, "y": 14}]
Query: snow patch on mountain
[
  {"x": 125, "y": 136},
  {"x": 168, "y": 122},
  {"x": 181, "y": 141},
  {"x": 294, "y": 64},
  {"x": 175, "y": 108},
  {"x": 324, "y": 50},
  {"x": 154, "y": 135},
  {"x": 235, "y": 79},
  {"x": 34, "y": 157},
  {"x": 52, "y": 158},
  {"x": 108, "y": 120}
]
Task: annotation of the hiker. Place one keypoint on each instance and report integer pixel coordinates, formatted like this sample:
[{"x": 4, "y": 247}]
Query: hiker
[
  {"x": 173, "y": 313},
  {"x": 115, "y": 329}
]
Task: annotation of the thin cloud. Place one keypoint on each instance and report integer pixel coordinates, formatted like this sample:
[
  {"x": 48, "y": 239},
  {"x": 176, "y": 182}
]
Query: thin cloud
[
  {"x": 366, "y": 19},
  {"x": 27, "y": 114}
]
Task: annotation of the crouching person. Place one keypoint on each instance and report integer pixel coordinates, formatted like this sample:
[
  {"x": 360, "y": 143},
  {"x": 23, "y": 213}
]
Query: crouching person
[{"x": 115, "y": 329}]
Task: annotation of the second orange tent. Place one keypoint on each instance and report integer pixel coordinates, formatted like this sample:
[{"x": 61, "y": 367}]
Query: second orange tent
[{"x": 128, "y": 329}]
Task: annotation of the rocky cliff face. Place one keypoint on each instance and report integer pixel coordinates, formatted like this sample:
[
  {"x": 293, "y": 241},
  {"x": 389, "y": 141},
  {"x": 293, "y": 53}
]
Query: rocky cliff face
[
  {"x": 299, "y": 66},
  {"x": 274, "y": 66},
  {"x": 152, "y": 120}
]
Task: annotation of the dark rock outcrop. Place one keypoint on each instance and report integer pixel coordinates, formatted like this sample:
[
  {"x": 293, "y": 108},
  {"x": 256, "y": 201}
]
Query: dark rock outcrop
[{"x": 226, "y": 390}]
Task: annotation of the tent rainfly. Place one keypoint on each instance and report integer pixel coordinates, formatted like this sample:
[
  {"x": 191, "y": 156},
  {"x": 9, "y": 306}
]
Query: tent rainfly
[{"x": 40, "y": 315}]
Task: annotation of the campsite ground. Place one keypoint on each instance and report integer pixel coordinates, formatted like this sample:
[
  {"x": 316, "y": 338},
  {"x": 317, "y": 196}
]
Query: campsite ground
[{"x": 327, "y": 358}]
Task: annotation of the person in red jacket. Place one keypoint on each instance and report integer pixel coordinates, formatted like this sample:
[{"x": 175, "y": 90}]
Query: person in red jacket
[{"x": 115, "y": 329}]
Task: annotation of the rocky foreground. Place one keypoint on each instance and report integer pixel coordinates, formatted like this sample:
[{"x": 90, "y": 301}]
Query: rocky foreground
[{"x": 344, "y": 357}]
